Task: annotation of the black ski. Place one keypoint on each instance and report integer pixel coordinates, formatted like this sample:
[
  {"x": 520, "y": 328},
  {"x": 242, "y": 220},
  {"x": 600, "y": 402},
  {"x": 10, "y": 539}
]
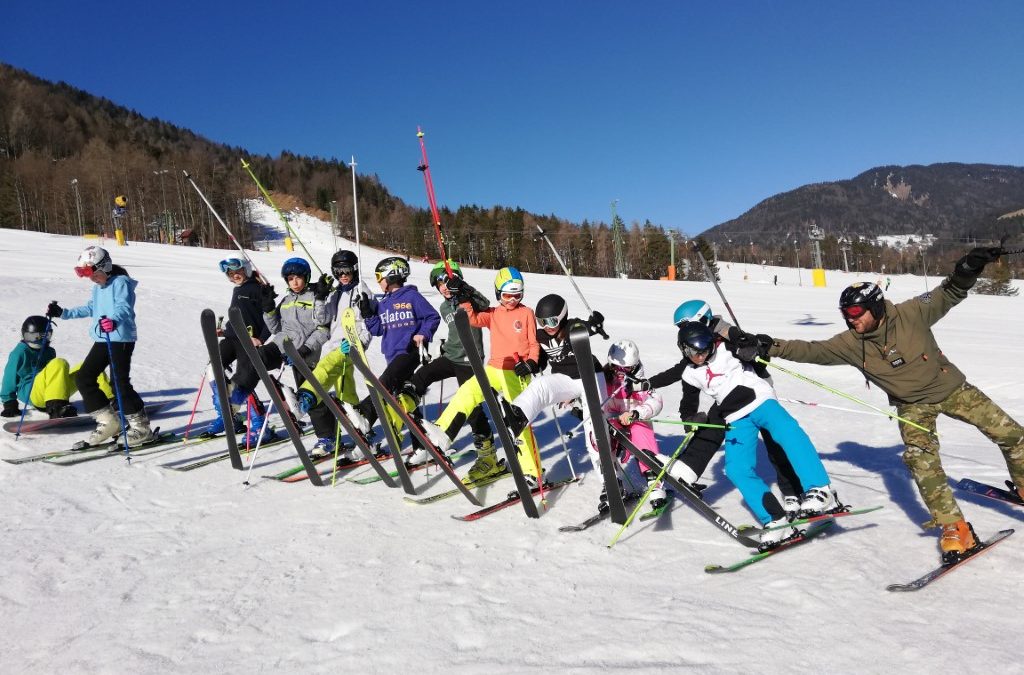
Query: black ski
[
  {"x": 921, "y": 582},
  {"x": 512, "y": 499},
  {"x": 579, "y": 338},
  {"x": 597, "y": 517},
  {"x": 386, "y": 397},
  {"x": 494, "y": 410},
  {"x": 208, "y": 323},
  {"x": 802, "y": 538},
  {"x": 369, "y": 453},
  {"x": 90, "y": 454},
  {"x": 235, "y": 317},
  {"x": 684, "y": 491},
  {"x": 990, "y": 491}
]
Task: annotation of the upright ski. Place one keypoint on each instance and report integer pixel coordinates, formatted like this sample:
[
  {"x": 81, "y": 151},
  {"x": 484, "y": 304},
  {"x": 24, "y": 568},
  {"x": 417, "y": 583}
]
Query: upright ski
[
  {"x": 579, "y": 338},
  {"x": 494, "y": 409},
  {"x": 941, "y": 570},
  {"x": 990, "y": 491},
  {"x": 235, "y": 316},
  {"x": 208, "y": 322}
]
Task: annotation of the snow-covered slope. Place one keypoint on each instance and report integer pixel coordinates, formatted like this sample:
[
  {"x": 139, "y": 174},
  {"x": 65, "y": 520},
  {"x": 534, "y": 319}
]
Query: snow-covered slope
[{"x": 115, "y": 568}]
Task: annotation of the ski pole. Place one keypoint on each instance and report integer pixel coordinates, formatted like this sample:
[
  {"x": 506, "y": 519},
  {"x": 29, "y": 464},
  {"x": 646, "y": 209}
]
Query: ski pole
[
  {"x": 199, "y": 392},
  {"x": 650, "y": 488},
  {"x": 220, "y": 220},
  {"x": 850, "y": 398},
  {"x": 39, "y": 359},
  {"x": 288, "y": 226},
  {"x": 561, "y": 437},
  {"x": 714, "y": 280},
  {"x": 355, "y": 213},
  {"x": 692, "y": 424},
  {"x": 572, "y": 281},
  {"x": 435, "y": 215},
  {"x": 117, "y": 394},
  {"x": 822, "y": 405},
  {"x": 259, "y": 438}
]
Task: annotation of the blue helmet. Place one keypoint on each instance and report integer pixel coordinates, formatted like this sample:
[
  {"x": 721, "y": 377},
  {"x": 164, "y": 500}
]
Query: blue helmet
[
  {"x": 693, "y": 310},
  {"x": 298, "y": 267},
  {"x": 508, "y": 280}
]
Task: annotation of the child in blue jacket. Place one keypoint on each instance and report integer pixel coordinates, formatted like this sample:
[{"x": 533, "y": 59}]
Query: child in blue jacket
[{"x": 112, "y": 309}]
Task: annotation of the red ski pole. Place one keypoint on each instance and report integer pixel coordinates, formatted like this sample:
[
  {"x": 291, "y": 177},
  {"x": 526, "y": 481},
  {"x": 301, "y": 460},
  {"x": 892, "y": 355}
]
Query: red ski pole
[{"x": 432, "y": 199}]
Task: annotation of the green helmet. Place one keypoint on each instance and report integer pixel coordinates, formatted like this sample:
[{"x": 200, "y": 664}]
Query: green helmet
[{"x": 438, "y": 272}]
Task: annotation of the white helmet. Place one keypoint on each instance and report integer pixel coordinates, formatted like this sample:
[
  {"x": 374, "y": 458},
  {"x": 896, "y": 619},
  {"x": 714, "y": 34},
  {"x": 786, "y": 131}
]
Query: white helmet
[
  {"x": 624, "y": 355},
  {"x": 96, "y": 258}
]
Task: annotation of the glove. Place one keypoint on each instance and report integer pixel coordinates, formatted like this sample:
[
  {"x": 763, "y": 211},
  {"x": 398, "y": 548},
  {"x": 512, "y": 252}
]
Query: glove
[
  {"x": 267, "y": 296},
  {"x": 974, "y": 262},
  {"x": 749, "y": 346},
  {"x": 322, "y": 287},
  {"x": 639, "y": 383},
  {"x": 596, "y": 320},
  {"x": 365, "y": 307},
  {"x": 699, "y": 418},
  {"x": 526, "y": 368},
  {"x": 11, "y": 408},
  {"x": 107, "y": 325},
  {"x": 345, "y": 347},
  {"x": 455, "y": 284},
  {"x": 307, "y": 400},
  {"x": 53, "y": 310},
  {"x": 304, "y": 351}
]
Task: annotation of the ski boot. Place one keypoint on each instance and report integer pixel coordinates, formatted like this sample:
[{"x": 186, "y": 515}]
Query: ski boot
[
  {"x": 602, "y": 504},
  {"x": 139, "y": 431},
  {"x": 108, "y": 425},
  {"x": 216, "y": 426},
  {"x": 656, "y": 496},
  {"x": 357, "y": 418},
  {"x": 773, "y": 538},
  {"x": 515, "y": 420},
  {"x": 819, "y": 501},
  {"x": 486, "y": 465},
  {"x": 322, "y": 448},
  {"x": 252, "y": 436},
  {"x": 957, "y": 540}
]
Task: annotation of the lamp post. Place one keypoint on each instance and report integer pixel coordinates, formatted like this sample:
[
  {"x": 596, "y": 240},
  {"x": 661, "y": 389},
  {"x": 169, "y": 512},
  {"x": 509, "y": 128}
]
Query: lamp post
[
  {"x": 78, "y": 206},
  {"x": 163, "y": 199},
  {"x": 796, "y": 258}
]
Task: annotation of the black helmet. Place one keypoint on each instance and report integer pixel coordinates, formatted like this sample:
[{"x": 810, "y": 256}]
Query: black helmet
[
  {"x": 34, "y": 330},
  {"x": 551, "y": 311},
  {"x": 394, "y": 269},
  {"x": 696, "y": 338},
  {"x": 862, "y": 294},
  {"x": 345, "y": 261}
]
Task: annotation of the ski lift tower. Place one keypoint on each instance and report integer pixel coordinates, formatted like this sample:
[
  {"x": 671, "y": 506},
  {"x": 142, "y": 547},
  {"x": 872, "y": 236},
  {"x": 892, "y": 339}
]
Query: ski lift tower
[
  {"x": 816, "y": 235},
  {"x": 618, "y": 230}
]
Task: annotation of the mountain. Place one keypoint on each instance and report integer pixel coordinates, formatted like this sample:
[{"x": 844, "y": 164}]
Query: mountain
[{"x": 954, "y": 202}]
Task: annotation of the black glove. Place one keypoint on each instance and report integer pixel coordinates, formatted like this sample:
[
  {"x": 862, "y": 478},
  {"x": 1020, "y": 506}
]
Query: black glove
[
  {"x": 455, "y": 284},
  {"x": 267, "y": 296},
  {"x": 304, "y": 351},
  {"x": 639, "y": 383},
  {"x": 972, "y": 264},
  {"x": 750, "y": 347},
  {"x": 366, "y": 307},
  {"x": 10, "y": 408},
  {"x": 699, "y": 418},
  {"x": 53, "y": 310},
  {"x": 322, "y": 288},
  {"x": 596, "y": 320},
  {"x": 526, "y": 368}
]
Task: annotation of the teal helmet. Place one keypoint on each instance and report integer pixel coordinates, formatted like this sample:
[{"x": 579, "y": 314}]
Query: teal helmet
[{"x": 693, "y": 310}]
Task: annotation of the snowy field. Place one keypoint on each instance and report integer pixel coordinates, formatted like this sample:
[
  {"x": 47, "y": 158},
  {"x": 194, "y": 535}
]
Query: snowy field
[{"x": 110, "y": 567}]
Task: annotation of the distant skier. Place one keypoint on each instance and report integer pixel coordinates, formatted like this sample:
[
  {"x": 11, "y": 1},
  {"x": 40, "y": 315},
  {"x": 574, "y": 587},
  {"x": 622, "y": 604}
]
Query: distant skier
[
  {"x": 112, "y": 309},
  {"x": 894, "y": 347},
  {"x": 35, "y": 376}
]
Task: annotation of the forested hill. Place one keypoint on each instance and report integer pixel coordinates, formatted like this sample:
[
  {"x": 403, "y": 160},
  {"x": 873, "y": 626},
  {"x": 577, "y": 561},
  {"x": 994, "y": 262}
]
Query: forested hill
[
  {"x": 65, "y": 154},
  {"x": 954, "y": 202}
]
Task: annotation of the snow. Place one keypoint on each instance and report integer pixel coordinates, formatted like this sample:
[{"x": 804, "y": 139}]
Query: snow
[{"x": 109, "y": 567}]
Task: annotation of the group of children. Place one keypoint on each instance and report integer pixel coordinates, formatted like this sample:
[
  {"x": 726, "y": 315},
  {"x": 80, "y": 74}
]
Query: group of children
[{"x": 530, "y": 364}]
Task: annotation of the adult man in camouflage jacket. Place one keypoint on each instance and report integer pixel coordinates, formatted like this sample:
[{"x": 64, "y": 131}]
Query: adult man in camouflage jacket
[{"x": 893, "y": 346}]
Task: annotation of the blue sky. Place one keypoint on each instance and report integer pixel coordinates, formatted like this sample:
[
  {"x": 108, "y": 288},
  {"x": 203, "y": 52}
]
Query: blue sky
[{"x": 687, "y": 113}]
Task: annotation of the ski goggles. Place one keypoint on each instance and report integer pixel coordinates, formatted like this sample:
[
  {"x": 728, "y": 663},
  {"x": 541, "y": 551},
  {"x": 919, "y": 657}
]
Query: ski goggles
[
  {"x": 343, "y": 269},
  {"x": 85, "y": 271},
  {"x": 511, "y": 296},
  {"x": 690, "y": 352},
  {"x": 548, "y": 321},
  {"x": 232, "y": 265},
  {"x": 853, "y": 311}
]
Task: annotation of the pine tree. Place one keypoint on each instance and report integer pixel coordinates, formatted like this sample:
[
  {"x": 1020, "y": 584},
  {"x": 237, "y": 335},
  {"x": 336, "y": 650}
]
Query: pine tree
[
  {"x": 705, "y": 249},
  {"x": 999, "y": 284}
]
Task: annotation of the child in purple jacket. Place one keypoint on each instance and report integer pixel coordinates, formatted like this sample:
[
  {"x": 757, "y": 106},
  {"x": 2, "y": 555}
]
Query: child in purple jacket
[{"x": 405, "y": 322}]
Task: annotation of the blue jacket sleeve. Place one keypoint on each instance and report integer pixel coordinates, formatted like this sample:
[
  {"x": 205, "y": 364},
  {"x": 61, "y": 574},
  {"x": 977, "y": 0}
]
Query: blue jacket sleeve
[{"x": 78, "y": 312}]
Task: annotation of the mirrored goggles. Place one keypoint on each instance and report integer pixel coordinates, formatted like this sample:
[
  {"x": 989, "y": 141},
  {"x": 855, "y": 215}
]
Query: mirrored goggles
[
  {"x": 344, "y": 269},
  {"x": 546, "y": 322},
  {"x": 232, "y": 265},
  {"x": 690, "y": 352},
  {"x": 85, "y": 271},
  {"x": 853, "y": 311}
]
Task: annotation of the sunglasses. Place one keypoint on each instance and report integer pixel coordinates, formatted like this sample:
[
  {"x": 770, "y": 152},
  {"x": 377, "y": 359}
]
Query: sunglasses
[
  {"x": 546, "y": 322},
  {"x": 853, "y": 311},
  {"x": 85, "y": 271},
  {"x": 231, "y": 265}
]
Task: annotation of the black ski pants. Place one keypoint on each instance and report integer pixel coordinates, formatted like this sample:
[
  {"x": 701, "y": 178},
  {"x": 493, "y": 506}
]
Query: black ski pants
[
  {"x": 441, "y": 369},
  {"x": 95, "y": 362}
]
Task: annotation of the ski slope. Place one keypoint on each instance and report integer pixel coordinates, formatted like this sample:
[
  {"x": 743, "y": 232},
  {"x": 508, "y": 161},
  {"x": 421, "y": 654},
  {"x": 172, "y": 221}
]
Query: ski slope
[{"x": 110, "y": 567}]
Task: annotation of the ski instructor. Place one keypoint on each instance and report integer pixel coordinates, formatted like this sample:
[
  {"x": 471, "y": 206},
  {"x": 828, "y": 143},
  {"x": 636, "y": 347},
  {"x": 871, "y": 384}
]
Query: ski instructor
[{"x": 894, "y": 347}]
